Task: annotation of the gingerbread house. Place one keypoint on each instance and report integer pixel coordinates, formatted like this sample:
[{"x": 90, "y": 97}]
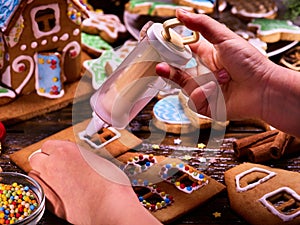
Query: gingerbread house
[{"x": 40, "y": 46}]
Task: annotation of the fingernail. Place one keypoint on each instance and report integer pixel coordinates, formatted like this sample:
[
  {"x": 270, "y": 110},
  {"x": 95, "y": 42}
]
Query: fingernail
[{"x": 32, "y": 154}]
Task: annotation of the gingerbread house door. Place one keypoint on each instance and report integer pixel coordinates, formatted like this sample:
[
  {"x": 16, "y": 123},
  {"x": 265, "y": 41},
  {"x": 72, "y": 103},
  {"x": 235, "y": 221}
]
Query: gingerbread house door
[{"x": 48, "y": 74}]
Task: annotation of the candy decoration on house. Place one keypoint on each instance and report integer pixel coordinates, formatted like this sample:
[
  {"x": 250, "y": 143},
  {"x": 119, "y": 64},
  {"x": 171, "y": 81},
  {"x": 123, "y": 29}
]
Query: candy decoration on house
[
  {"x": 150, "y": 195},
  {"x": 184, "y": 177},
  {"x": 34, "y": 34},
  {"x": 138, "y": 164}
]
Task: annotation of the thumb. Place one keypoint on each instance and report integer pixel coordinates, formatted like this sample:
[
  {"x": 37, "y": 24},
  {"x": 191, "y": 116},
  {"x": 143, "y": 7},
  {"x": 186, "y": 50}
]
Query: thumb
[{"x": 210, "y": 29}]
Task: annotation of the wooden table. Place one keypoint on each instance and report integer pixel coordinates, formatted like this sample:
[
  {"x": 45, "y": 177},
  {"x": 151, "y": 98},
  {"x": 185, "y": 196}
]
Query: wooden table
[{"x": 28, "y": 132}]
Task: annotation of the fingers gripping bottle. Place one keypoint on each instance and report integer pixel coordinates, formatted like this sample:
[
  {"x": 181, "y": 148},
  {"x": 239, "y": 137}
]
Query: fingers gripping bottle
[{"x": 134, "y": 83}]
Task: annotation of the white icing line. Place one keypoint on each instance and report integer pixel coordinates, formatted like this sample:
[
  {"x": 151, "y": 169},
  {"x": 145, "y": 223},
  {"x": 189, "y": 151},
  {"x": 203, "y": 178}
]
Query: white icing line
[
  {"x": 15, "y": 66},
  {"x": 75, "y": 45},
  {"x": 250, "y": 186},
  {"x": 83, "y": 136},
  {"x": 37, "y": 33},
  {"x": 273, "y": 210}
]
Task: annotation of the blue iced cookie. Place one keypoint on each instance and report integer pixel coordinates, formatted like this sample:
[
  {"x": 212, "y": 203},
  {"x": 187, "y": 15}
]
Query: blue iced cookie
[{"x": 170, "y": 117}]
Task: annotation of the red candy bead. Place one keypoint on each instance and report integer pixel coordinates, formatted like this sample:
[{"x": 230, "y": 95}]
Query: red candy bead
[
  {"x": 152, "y": 207},
  {"x": 2, "y": 132}
]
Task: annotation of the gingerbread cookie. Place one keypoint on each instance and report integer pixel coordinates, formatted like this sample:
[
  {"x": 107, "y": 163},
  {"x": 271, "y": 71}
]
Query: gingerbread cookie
[
  {"x": 154, "y": 8},
  {"x": 109, "y": 60},
  {"x": 96, "y": 67},
  {"x": 253, "y": 9},
  {"x": 170, "y": 117},
  {"x": 202, "y": 6},
  {"x": 264, "y": 195},
  {"x": 167, "y": 187},
  {"x": 273, "y": 30},
  {"x": 94, "y": 45},
  {"x": 108, "y": 26},
  {"x": 291, "y": 58}
]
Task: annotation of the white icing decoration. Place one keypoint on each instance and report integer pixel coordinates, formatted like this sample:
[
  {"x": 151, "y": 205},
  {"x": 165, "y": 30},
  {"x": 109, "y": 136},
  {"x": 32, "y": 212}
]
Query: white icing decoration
[
  {"x": 108, "y": 23},
  {"x": 272, "y": 209},
  {"x": 44, "y": 42},
  {"x": 54, "y": 38},
  {"x": 16, "y": 65},
  {"x": 252, "y": 185},
  {"x": 23, "y": 47},
  {"x": 37, "y": 33},
  {"x": 83, "y": 136},
  {"x": 76, "y": 32},
  {"x": 76, "y": 47},
  {"x": 64, "y": 37},
  {"x": 34, "y": 44}
]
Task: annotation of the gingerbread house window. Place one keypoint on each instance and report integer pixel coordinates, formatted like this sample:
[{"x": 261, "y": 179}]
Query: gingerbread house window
[
  {"x": 283, "y": 202},
  {"x": 45, "y": 20}
]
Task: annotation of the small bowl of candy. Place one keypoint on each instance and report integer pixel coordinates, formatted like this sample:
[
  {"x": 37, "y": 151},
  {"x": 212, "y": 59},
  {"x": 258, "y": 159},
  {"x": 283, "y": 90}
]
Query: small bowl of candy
[{"x": 22, "y": 199}]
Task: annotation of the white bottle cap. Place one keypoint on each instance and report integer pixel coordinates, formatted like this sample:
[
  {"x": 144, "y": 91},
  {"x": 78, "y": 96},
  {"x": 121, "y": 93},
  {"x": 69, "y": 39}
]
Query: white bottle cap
[{"x": 176, "y": 54}]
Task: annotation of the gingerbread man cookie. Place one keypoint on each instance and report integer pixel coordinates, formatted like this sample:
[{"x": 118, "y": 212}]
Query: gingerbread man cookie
[
  {"x": 108, "y": 26},
  {"x": 273, "y": 30}
]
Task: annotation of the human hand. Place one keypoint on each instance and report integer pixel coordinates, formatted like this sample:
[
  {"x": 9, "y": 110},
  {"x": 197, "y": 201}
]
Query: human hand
[
  {"x": 239, "y": 68},
  {"x": 75, "y": 191}
]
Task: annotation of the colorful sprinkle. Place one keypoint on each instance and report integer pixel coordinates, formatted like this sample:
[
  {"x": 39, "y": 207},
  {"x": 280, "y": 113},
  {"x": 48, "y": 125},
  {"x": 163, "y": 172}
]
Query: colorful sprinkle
[
  {"x": 201, "y": 145},
  {"x": 16, "y": 202}
]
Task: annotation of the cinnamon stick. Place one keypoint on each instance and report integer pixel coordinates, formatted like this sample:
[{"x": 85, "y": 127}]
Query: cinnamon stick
[
  {"x": 241, "y": 146},
  {"x": 280, "y": 144},
  {"x": 260, "y": 153},
  {"x": 293, "y": 146}
]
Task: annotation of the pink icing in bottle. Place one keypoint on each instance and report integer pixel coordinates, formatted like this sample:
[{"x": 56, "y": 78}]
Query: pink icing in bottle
[{"x": 134, "y": 83}]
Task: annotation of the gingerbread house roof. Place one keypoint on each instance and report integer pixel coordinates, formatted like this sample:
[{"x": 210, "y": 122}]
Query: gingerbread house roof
[{"x": 11, "y": 9}]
